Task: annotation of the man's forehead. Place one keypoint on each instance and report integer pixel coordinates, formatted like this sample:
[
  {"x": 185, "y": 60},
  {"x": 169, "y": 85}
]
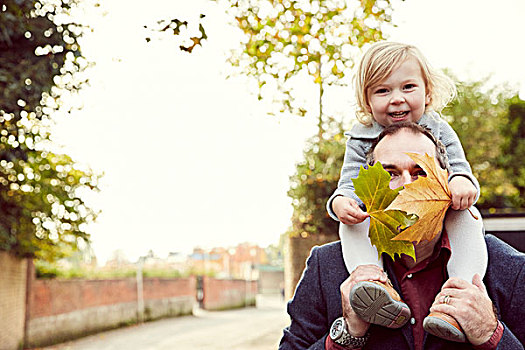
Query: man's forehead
[{"x": 394, "y": 147}]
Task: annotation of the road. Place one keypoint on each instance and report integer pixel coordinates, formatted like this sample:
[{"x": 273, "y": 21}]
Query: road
[{"x": 257, "y": 328}]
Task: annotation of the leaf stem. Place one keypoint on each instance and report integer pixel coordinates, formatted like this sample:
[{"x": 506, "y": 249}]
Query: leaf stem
[{"x": 473, "y": 215}]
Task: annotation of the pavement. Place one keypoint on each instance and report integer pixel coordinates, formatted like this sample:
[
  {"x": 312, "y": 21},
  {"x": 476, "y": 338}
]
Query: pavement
[{"x": 254, "y": 328}]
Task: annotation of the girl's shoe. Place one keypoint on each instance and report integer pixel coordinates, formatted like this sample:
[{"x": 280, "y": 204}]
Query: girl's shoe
[
  {"x": 379, "y": 303},
  {"x": 444, "y": 326}
]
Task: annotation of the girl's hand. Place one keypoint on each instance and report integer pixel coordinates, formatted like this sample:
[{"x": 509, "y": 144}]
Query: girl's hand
[
  {"x": 463, "y": 192},
  {"x": 348, "y": 211}
]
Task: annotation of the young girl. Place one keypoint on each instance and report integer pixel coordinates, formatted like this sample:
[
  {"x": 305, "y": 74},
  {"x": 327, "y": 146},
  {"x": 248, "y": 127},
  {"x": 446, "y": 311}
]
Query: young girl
[{"x": 395, "y": 83}]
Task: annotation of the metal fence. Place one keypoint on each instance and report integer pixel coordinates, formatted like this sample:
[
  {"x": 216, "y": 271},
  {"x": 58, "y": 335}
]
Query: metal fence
[{"x": 509, "y": 227}]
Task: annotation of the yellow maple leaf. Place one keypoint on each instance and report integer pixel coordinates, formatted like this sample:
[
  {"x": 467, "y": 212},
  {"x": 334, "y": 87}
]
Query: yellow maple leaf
[{"x": 428, "y": 197}]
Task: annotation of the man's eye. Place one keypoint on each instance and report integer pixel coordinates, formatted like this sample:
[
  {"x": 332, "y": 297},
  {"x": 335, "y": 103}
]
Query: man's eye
[
  {"x": 419, "y": 173},
  {"x": 392, "y": 174}
]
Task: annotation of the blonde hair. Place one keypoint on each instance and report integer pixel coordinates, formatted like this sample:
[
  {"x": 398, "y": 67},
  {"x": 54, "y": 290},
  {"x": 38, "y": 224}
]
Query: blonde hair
[{"x": 381, "y": 59}]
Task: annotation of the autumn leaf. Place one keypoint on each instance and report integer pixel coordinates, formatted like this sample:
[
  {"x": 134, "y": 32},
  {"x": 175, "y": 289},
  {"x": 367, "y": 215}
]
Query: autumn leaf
[
  {"x": 372, "y": 187},
  {"x": 428, "y": 197}
]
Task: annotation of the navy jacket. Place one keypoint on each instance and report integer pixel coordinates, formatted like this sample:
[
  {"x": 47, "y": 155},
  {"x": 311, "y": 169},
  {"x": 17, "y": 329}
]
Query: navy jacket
[{"x": 317, "y": 302}]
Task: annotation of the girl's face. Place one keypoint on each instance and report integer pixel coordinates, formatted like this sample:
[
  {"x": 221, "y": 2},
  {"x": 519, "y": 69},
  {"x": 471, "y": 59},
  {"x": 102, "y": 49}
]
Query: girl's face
[{"x": 402, "y": 96}]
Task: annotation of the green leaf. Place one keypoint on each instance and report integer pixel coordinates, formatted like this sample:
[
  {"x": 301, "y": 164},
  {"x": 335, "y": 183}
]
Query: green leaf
[{"x": 372, "y": 187}]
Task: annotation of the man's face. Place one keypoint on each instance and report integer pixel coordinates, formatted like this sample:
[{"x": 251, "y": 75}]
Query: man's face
[{"x": 391, "y": 153}]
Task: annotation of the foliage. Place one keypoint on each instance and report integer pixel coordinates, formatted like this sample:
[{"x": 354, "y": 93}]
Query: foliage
[
  {"x": 40, "y": 56},
  {"x": 313, "y": 183},
  {"x": 372, "y": 186},
  {"x": 293, "y": 39},
  {"x": 49, "y": 270},
  {"x": 177, "y": 27},
  {"x": 513, "y": 148},
  {"x": 275, "y": 252},
  {"x": 43, "y": 214},
  {"x": 477, "y": 115}
]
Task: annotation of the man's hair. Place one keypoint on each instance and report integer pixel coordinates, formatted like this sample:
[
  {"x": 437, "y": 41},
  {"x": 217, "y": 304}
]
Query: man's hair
[
  {"x": 381, "y": 59},
  {"x": 441, "y": 152}
]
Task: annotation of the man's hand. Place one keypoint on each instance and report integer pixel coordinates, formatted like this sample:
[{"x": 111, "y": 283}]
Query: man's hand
[
  {"x": 470, "y": 305},
  {"x": 356, "y": 326},
  {"x": 463, "y": 192},
  {"x": 348, "y": 211}
]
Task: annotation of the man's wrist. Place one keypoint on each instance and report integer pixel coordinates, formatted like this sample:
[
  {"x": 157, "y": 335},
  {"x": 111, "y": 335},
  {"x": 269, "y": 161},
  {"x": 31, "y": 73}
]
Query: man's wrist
[
  {"x": 339, "y": 334},
  {"x": 329, "y": 344},
  {"x": 356, "y": 330},
  {"x": 494, "y": 340}
]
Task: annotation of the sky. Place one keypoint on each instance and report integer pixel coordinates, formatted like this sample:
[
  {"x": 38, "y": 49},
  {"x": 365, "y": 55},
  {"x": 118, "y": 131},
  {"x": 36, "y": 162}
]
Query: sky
[{"x": 191, "y": 158}]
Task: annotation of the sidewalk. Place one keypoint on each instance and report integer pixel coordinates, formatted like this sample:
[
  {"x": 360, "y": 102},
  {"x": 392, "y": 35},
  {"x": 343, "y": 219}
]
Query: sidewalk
[{"x": 256, "y": 328}]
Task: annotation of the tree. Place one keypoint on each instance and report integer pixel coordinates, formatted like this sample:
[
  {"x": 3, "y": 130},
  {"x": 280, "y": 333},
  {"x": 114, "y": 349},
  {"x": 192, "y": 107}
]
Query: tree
[
  {"x": 42, "y": 211},
  {"x": 313, "y": 183},
  {"x": 275, "y": 252},
  {"x": 477, "y": 115},
  {"x": 513, "y": 148},
  {"x": 290, "y": 41},
  {"x": 179, "y": 27},
  {"x": 40, "y": 57}
]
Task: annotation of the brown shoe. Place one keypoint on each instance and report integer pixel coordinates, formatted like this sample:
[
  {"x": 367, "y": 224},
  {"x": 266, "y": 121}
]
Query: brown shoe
[
  {"x": 379, "y": 303},
  {"x": 444, "y": 326}
]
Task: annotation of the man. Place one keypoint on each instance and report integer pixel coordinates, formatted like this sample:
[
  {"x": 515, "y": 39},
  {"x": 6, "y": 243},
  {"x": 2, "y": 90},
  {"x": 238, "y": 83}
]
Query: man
[{"x": 491, "y": 317}]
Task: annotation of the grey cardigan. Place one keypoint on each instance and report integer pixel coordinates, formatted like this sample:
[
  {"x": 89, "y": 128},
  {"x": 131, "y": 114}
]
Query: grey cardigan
[{"x": 360, "y": 139}]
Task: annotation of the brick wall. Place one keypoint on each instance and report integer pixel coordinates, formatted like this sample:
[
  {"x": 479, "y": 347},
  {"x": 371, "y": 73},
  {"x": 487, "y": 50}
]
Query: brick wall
[
  {"x": 168, "y": 297},
  {"x": 159, "y": 288},
  {"x": 13, "y": 273},
  {"x": 65, "y": 309},
  {"x": 220, "y": 294},
  {"x": 55, "y": 297},
  {"x": 59, "y": 310}
]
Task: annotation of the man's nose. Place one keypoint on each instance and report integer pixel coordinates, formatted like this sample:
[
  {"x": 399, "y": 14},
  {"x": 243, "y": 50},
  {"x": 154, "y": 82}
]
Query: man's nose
[{"x": 405, "y": 178}]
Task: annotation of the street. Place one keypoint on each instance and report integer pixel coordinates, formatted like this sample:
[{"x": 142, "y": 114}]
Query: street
[{"x": 257, "y": 328}]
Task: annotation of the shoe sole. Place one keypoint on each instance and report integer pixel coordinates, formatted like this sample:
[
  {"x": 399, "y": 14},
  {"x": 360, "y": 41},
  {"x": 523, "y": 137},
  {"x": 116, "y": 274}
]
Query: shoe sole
[
  {"x": 441, "y": 328},
  {"x": 374, "y": 304}
]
